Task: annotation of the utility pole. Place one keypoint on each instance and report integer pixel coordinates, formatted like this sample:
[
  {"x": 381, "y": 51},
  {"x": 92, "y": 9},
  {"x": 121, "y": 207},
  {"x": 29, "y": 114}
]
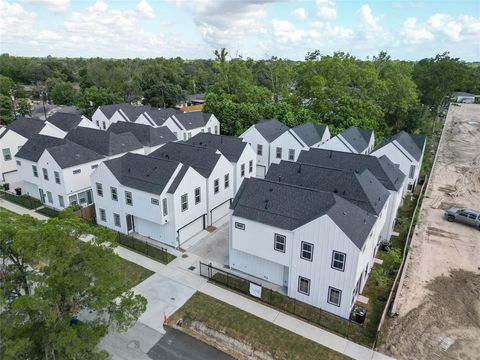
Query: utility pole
[{"x": 44, "y": 97}]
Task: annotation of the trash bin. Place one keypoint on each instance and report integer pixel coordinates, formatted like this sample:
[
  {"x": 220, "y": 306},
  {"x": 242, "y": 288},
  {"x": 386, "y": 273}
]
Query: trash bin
[
  {"x": 18, "y": 191},
  {"x": 360, "y": 314},
  {"x": 6, "y": 186}
]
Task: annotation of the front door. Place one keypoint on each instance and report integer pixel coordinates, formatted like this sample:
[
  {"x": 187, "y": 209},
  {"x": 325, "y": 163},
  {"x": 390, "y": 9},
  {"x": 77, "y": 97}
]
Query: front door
[
  {"x": 130, "y": 223},
  {"x": 42, "y": 196}
]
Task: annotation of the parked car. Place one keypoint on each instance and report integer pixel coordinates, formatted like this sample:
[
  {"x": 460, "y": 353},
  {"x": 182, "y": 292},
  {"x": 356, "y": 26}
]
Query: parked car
[{"x": 467, "y": 216}]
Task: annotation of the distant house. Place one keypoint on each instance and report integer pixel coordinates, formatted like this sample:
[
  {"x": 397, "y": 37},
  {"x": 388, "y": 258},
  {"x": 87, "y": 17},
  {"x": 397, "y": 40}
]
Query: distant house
[
  {"x": 158, "y": 117},
  {"x": 214, "y": 167},
  {"x": 106, "y": 115},
  {"x": 407, "y": 151},
  {"x": 239, "y": 153},
  {"x": 195, "y": 122},
  {"x": 316, "y": 243},
  {"x": 12, "y": 138},
  {"x": 464, "y": 97},
  {"x": 192, "y": 99},
  {"x": 273, "y": 141},
  {"x": 60, "y": 123},
  {"x": 151, "y": 137},
  {"x": 353, "y": 140},
  {"x": 162, "y": 199},
  {"x": 386, "y": 172},
  {"x": 57, "y": 171}
]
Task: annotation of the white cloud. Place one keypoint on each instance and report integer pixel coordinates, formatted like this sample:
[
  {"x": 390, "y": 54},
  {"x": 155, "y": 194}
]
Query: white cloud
[
  {"x": 285, "y": 32},
  {"x": 326, "y": 9},
  {"x": 300, "y": 13},
  {"x": 328, "y": 32},
  {"x": 446, "y": 25},
  {"x": 146, "y": 9},
  {"x": 227, "y": 23},
  {"x": 413, "y": 34},
  {"x": 56, "y": 6},
  {"x": 14, "y": 21},
  {"x": 368, "y": 22}
]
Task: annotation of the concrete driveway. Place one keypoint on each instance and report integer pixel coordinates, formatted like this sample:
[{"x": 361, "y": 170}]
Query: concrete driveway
[{"x": 214, "y": 246}]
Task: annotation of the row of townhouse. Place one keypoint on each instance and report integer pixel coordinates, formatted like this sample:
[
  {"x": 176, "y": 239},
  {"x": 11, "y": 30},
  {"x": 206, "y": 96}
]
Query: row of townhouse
[
  {"x": 176, "y": 191},
  {"x": 183, "y": 124},
  {"x": 314, "y": 225},
  {"x": 16, "y": 134}
]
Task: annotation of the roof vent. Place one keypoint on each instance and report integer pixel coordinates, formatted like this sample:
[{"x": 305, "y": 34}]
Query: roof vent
[
  {"x": 167, "y": 156},
  {"x": 299, "y": 168},
  {"x": 279, "y": 179},
  {"x": 266, "y": 204},
  {"x": 344, "y": 213},
  {"x": 335, "y": 191}
]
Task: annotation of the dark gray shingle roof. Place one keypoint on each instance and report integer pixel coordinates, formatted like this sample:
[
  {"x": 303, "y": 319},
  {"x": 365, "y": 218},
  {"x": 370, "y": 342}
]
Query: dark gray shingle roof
[
  {"x": 412, "y": 143},
  {"x": 142, "y": 172},
  {"x": 357, "y": 138},
  {"x": 271, "y": 129},
  {"x": 71, "y": 154},
  {"x": 361, "y": 189},
  {"x": 27, "y": 127},
  {"x": 36, "y": 145},
  {"x": 104, "y": 142},
  {"x": 65, "y": 121},
  {"x": 200, "y": 158},
  {"x": 310, "y": 134},
  {"x": 193, "y": 119},
  {"x": 147, "y": 135},
  {"x": 230, "y": 146},
  {"x": 160, "y": 115},
  {"x": 131, "y": 113},
  {"x": 288, "y": 207},
  {"x": 109, "y": 110},
  {"x": 382, "y": 168}
]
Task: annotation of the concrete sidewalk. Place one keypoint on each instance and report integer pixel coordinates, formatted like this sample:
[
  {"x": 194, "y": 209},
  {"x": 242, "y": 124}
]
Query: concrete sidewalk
[
  {"x": 21, "y": 210},
  {"x": 185, "y": 271}
]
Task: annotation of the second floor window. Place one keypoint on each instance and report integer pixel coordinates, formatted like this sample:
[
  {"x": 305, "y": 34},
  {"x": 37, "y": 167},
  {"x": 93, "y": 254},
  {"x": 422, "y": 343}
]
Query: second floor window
[
  {"x": 216, "y": 186},
  {"x": 242, "y": 170},
  {"x": 45, "y": 174},
  {"x": 279, "y": 153},
  {"x": 113, "y": 192},
  {"x": 412, "y": 171},
  {"x": 197, "y": 195},
  {"x": 6, "y": 154},
  {"x": 184, "y": 202},
  {"x": 57, "y": 177},
  {"x": 307, "y": 251},
  {"x": 291, "y": 154},
  {"x": 99, "y": 189},
  {"x": 260, "y": 150},
  {"x": 128, "y": 198},
  {"x": 35, "y": 171},
  {"x": 250, "y": 166},
  {"x": 226, "y": 181},
  {"x": 338, "y": 260},
  {"x": 280, "y": 242}
]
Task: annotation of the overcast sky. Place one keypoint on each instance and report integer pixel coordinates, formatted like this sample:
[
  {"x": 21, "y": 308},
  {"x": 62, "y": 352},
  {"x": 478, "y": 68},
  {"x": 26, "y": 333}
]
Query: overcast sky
[{"x": 255, "y": 28}]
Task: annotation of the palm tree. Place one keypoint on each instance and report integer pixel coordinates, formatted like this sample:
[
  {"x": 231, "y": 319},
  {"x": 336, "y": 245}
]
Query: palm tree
[{"x": 221, "y": 55}]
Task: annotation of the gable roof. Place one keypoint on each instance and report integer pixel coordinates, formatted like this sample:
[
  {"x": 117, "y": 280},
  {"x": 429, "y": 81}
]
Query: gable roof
[
  {"x": 412, "y": 143},
  {"x": 358, "y": 138},
  {"x": 288, "y": 207},
  {"x": 109, "y": 110},
  {"x": 142, "y": 172},
  {"x": 230, "y": 146},
  {"x": 361, "y": 189},
  {"x": 26, "y": 127},
  {"x": 147, "y": 135},
  {"x": 193, "y": 119},
  {"x": 202, "y": 159},
  {"x": 159, "y": 115},
  {"x": 104, "y": 142},
  {"x": 271, "y": 129},
  {"x": 65, "y": 121},
  {"x": 310, "y": 134},
  {"x": 132, "y": 112},
  {"x": 34, "y": 147},
  {"x": 71, "y": 154},
  {"x": 382, "y": 168}
]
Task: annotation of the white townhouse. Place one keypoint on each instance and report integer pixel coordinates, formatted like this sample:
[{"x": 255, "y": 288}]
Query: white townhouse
[
  {"x": 162, "y": 199},
  {"x": 12, "y": 138},
  {"x": 361, "y": 189},
  {"x": 106, "y": 115},
  {"x": 60, "y": 123},
  {"x": 151, "y": 138},
  {"x": 317, "y": 244},
  {"x": 353, "y": 140},
  {"x": 386, "y": 172},
  {"x": 215, "y": 169},
  {"x": 239, "y": 153},
  {"x": 158, "y": 117},
  {"x": 273, "y": 141},
  {"x": 106, "y": 143},
  {"x": 57, "y": 171},
  {"x": 406, "y": 150}
]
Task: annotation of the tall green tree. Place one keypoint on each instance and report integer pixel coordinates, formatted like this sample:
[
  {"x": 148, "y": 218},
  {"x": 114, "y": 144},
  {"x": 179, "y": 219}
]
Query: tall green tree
[
  {"x": 6, "y": 110},
  {"x": 23, "y": 107},
  {"x": 60, "y": 295},
  {"x": 62, "y": 93},
  {"x": 89, "y": 99}
]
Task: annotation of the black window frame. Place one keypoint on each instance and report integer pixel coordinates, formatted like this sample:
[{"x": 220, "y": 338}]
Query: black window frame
[
  {"x": 259, "y": 149},
  {"x": 278, "y": 151},
  {"x": 99, "y": 188},
  {"x": 239, "y": 225},
  {"x": 126, "y": 198},
  {"x": 292, "y": 153},
  {"x": 250, "y": 166},
  {"x": 103, "y": 214},
  {"x": 302, "y": 250},
  {"x": 186, "y": 202},
  {"x": 275, "y": 242},
  {"x": 45, "y": 174},
  {"x": 56, "y": 176},
  {"x": 154, "y": 201},
  {"x": 115, "y": 217},
  {"x": 216, "y": 186},
  {"x": 330, "y": 288},
  {"x": 35, "y": 171},
  {"x": 199, "y": 195},
  {"x": 333, "y": 260},
  {"x": 226, "y": 181},
  {"x": 300, "y": 278},
  {"x": 242, "y": 170},
  {"x": 112, "y": 188}
]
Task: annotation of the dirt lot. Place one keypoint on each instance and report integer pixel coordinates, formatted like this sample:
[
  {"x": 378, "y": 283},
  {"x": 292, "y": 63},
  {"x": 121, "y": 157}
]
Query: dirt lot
[{"x": 439, "y": 304}]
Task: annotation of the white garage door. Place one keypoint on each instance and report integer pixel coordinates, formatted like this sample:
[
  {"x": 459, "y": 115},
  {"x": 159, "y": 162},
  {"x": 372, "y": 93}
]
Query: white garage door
[
  {"x": 220, "y": 212},
  {"x": 261, "y": 171},
  {"x": 190, "y": 230}
]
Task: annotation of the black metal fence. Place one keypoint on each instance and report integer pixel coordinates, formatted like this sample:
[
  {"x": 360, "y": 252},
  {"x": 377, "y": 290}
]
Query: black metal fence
[
  {"x": 155, "y": 252},
  {"x": 346, "y": 328}
]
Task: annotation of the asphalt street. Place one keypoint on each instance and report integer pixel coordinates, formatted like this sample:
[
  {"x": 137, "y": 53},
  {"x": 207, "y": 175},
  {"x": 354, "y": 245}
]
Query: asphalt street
[{"x": 175, "y": 345}]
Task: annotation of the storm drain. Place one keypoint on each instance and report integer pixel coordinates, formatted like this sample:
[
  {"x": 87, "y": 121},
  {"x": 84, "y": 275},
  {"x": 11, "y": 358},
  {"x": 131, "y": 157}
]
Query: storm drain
[{"x": 191, "y": 268}]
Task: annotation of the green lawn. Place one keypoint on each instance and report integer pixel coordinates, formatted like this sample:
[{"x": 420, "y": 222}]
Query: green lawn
[{"x": 258, "y": 333}]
